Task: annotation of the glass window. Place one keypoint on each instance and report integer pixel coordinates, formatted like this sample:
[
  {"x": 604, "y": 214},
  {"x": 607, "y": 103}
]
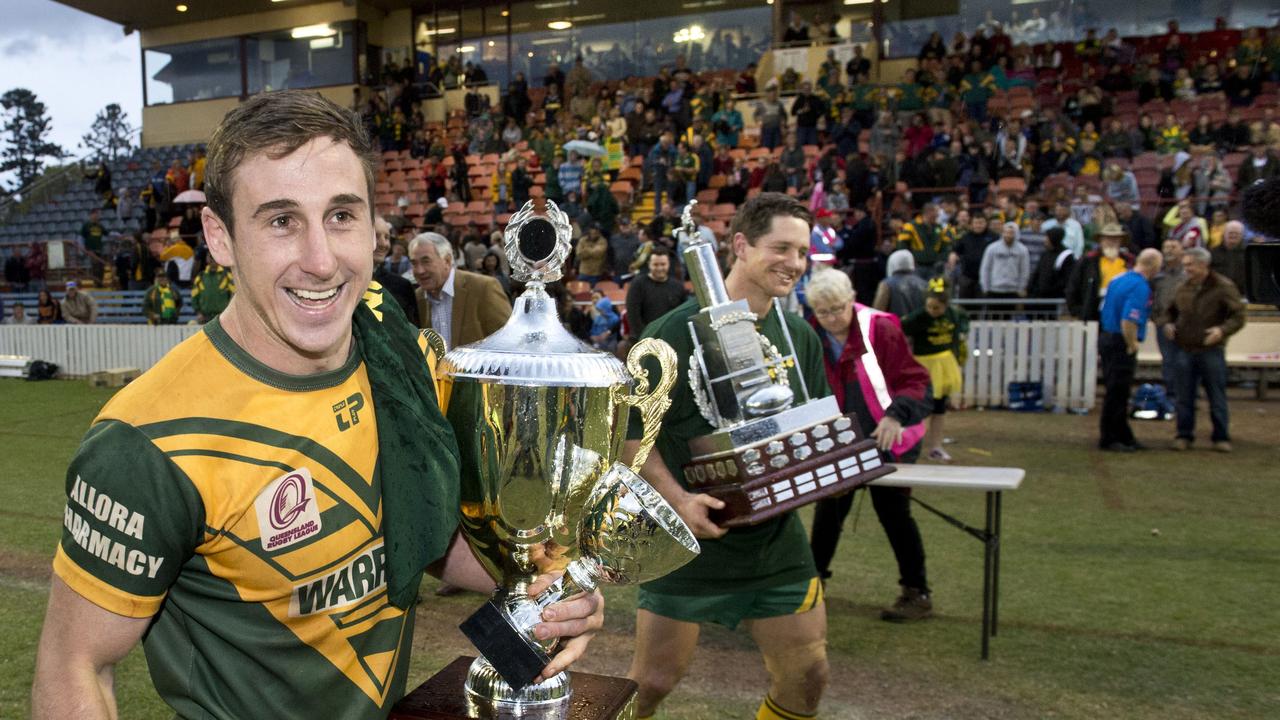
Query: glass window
[
  {"x": 192, "y": 71},
  {"x": 302, "y": 57}
]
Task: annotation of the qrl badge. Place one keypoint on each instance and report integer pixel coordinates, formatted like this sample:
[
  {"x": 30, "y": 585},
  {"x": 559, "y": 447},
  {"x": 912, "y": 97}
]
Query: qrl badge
[{"x": 287, "y": 510}]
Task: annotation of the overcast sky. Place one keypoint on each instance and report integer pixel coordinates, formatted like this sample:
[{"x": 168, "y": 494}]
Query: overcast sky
[{"x": 75, "y": 63}]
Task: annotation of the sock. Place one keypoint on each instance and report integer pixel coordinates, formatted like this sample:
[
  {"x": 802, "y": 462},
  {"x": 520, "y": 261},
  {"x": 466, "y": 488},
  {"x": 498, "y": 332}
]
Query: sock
[{"x": 770, "y": 710}]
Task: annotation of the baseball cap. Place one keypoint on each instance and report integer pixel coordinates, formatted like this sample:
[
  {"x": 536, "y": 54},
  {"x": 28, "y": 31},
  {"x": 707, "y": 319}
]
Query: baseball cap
[{"x": 71, "y": 283}]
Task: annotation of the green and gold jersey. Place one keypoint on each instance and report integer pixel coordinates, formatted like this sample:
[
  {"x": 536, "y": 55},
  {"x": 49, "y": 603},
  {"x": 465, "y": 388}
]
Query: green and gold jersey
[
  {"x": 241, "y": 508},
  {"x": 773, "y": 553}
]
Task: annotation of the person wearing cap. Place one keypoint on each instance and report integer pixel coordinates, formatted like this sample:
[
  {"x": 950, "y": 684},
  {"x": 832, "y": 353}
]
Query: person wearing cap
[
  {"x": 77, "y": 307},
  {"x": 1096, "y": 270},
  {"x": 1123, "y": 325}
]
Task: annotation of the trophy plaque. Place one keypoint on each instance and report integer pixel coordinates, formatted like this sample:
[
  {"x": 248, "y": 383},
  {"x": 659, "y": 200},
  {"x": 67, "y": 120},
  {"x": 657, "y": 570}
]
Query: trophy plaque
[
  {"x": 540, "y": 418},
  {"x": 772, "y": 450}
]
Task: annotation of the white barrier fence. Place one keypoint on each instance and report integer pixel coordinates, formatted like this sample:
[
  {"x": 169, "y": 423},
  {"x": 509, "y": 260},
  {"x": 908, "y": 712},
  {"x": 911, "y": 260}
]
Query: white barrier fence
[
  {"x": 1062, "y": 355},
  {"x": 83, "y": 349}
]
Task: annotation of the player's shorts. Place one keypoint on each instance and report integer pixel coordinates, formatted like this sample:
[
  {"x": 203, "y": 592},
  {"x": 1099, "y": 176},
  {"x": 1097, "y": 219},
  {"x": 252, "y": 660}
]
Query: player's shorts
[{"x": 730, "y": 609}]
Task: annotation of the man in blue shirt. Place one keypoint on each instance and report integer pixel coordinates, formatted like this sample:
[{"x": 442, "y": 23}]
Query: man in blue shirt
[{"x": 1123, "y": 325}]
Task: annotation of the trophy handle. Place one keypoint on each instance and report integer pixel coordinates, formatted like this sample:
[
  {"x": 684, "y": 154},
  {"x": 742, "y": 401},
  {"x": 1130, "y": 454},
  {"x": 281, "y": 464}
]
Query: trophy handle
[
  {"x": 433, "y": 349},
  {"x": 652, "y": 404}
]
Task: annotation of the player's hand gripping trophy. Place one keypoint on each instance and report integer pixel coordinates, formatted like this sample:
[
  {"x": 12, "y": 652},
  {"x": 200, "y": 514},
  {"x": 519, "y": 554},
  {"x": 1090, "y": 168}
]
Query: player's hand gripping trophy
[{"x": 540, "y": 418}]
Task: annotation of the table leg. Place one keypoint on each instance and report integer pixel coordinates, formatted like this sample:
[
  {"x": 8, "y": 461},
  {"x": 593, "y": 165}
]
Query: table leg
[
  {"x": 987, "y": 558},
  {"x": 995, "y": 570}
]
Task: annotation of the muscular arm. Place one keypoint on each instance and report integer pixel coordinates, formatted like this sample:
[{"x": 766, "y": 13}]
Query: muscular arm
[
  {"x": 460, "y": 567},
  {"x": 80, "y": 646}
]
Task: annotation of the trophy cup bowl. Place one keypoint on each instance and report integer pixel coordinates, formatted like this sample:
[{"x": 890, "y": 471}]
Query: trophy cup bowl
[{"x": 540, "y": 418}]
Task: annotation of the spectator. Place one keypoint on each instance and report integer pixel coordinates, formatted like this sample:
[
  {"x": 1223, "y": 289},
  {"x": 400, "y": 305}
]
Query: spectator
[
  {"x": 592, "y": 254},
  {"x": 1122, "y": 186},
  {"x": 1142, "y": 234},
  {"x": 1053, "y": 269},
  {"x": 1260, "y": 165},
  {"x": 929, "y": 242},
  {"x": 623, "y": 244},
  {"x": 500, "y": 189},
  {"x": 1089, "y": 279},
  {"x": 1206, "y": 310},
  {"x": 976, "y": 90},
  {"x": 1241, "y": 87},
  {"x": 1187, "y": 227},
  {"x": 966, "y": 255},
  {"x": 16, "y": 273},
  {"x": 37, "y": 263},
  {"x": 48, "y": 310},
  {"x": 78, "y": 308},
  {"x": 92, "y": 234},
  {"x": 20, "y": 316},
  {"x": 860, "y": 343},
  {"x": 659, "y": 163},
  {"x": 685, "y": 173},
  {"x": 727, "y": 124},
  {"x": 1006, "y": 266},
  {"x": 604, "y": 323},
  {"x": 807, "y": 109},
  {"x": 463, "y": 307},
  {"x": 902, "y": 292},
  {"x": 1074, "y": 231},
  {"x": 1228, "y": 258},
  {"x": 162, "y": 302},
  {"x": 654, "y": 294},
  {"x": 491, "y": 265},
  {"x": 793, "y": 162},
  {"x": 772, "y": 117},
  {"x": 797, "y": 31},
  {"x": 1163, "y": 288},
  {"x": 213, "y": 287},
  {"x": 937, "y": 333},
  {"x": 1123, "y": 326}
]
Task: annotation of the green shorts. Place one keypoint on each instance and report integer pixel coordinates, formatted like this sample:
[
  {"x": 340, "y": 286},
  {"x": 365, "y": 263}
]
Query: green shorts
[{"x": 732, "y": 608}]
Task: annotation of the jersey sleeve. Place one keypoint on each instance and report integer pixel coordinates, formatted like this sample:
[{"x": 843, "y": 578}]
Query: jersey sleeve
[
  {"x": 132, "y": 519},
  {"x": 1137, "y": 304}
]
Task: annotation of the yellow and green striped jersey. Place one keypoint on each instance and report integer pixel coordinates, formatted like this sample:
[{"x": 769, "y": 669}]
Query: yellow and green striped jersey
[{"x": 241, "y": 508}]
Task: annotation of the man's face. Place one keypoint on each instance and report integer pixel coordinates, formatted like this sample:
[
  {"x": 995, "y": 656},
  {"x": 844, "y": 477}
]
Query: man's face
[
  {"x": 1061, "y": 212},
  {"x": 382, "y": 240},
  {"x": 979, "y": 224},
  {"x": 930, "y": 214},
  {"x": 1009, "y": 233},
  {"x": 778, "y": 258},
  {"x": 1172, "y": 251},
  {"x": 429, "y": 269},
  {"x": 1195, "y": 270},
  {"x": 301, "y": 251},
  {"x": 71, "y": 291},
  {"x": 1232, "y": 236},
  {"x": 659, "y": 268}
]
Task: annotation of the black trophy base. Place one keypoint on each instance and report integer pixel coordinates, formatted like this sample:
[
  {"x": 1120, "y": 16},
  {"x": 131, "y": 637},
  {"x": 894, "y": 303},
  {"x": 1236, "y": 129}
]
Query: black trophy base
[
  {"x": 595, "y": 697},
  {"x": 516, "y": 658}
]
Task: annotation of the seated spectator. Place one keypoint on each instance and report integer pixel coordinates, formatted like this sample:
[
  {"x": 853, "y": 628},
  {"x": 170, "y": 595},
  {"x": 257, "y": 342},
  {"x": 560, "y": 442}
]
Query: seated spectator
[
  {"x": 1228, "y": 258},
  {"x": 1241, "y": 87},
  {"x": 20, "y": 316},
  {"x": 1262, "y": 164},
  {"x": 592, "y": 253},
  {"x": 604, "y": 323},
  {"x": 1172, "y": 138},
  {"x": 1121, "y": 185},
  {"x": 162, "y": 302},
  {"x": 1185, "y": 226},
  {"x": 78, "y": 308},
  {"x": 48, "y": 310}
]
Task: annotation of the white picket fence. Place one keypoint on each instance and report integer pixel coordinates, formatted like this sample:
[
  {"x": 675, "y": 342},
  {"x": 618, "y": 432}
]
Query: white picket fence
[
  {"x": 83, "y": 349},
  {"x": 1061, "y": 355}
]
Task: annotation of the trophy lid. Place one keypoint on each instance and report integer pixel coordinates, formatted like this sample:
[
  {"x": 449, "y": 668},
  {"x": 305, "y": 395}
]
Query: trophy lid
[{"x": 534, "y": 348}]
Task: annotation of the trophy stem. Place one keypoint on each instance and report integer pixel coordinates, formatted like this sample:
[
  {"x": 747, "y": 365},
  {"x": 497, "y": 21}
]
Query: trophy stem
[{"x": 491, "y": 698}]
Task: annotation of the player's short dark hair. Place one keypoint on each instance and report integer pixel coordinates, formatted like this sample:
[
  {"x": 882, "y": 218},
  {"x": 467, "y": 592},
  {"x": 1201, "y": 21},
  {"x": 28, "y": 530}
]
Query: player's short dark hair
[
  {"x": 277, "y": 124},
  {"x": 755, "y": 216}
]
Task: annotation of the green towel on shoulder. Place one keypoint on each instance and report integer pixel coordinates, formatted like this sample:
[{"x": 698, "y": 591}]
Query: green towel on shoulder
[{"x": 417, "y": 452}]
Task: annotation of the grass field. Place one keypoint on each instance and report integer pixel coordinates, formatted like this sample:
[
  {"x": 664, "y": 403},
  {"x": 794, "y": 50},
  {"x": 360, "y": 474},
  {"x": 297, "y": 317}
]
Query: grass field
[{"x": 1133, "y": 586}]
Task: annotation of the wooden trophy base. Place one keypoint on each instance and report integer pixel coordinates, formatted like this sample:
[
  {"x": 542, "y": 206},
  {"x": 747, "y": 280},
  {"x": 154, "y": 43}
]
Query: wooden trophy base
[{"x": 442, "y": 697}]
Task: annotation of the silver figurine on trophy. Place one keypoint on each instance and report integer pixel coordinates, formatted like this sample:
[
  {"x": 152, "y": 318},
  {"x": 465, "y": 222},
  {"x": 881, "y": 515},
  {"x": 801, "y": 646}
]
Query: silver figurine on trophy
[
  {"x": 540, "y": 418},
  {"x": 775, "y": 448}
]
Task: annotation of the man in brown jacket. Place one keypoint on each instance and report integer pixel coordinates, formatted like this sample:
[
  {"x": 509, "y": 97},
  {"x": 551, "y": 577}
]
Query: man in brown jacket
[
  {"x": 1206, "y": 310},
  {"x": 462, "y": 306}
]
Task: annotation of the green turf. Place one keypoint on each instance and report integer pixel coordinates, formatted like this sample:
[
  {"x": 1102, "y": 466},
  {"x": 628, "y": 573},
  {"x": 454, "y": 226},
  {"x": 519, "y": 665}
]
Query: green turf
[{"x": 1137, "y": 586}]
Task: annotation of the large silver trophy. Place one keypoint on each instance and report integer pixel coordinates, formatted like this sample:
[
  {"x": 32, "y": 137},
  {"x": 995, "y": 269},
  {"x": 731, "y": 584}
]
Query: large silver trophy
[
  {"x": 774, "y": 449},
  {"x": 540, "y": 418}
]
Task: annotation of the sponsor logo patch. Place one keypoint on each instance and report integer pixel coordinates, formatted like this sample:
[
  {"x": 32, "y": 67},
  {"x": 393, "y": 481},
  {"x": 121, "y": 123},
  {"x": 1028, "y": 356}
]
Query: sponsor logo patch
[{"x": 287, "y": 510}]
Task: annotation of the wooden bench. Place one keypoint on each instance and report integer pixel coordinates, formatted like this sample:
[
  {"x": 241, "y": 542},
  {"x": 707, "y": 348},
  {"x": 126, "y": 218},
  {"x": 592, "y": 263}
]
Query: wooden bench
[
  {"x": 114, "y": 306},
  {"x": 1255, "y": 348},
  {"x": 991, "y": 480}
]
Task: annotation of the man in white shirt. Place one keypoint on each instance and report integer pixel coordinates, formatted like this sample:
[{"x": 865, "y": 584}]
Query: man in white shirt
[
  {"x": 463, "y": 307},
  {"x": 1073, "y": 240},
  {"x": 20, "y": 316}
]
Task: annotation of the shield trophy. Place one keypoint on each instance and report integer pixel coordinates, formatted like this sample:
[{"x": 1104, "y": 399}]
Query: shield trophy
[{"x": 540, "y": 418}]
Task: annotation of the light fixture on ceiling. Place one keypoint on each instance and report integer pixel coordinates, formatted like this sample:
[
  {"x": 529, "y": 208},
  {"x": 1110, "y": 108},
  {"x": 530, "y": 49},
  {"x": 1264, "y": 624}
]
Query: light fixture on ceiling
[
  {"x": 467, "y": 49},
  {"x": 323, "y": 43},
  {"x": 312, "y": 31},
  {"x": 181, "y": 8},
  {"x": 440, "y": 31},
  {"x": 689, "y": 34},
  {"x": 530, "y": 53},
  {"x": 559, "y": 24},
  {"x": 860, "y": 2},
  {"x": 506, "y": 13},
  {"x": 491, "y": 43}
]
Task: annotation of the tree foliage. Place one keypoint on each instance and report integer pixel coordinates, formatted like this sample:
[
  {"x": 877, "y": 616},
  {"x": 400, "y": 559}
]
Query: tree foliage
[
  {"x": 110, "y": 136},
  {"x": 26, "y": 148}
]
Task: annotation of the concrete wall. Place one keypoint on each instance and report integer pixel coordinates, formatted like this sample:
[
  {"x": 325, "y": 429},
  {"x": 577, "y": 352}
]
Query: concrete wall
[
  {"x": 193, "y": 122},
  {"x": 274, "y": 19}
]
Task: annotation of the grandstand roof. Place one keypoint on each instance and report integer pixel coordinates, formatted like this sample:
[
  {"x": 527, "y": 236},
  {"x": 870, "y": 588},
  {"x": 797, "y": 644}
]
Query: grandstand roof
[{"x": 147, "y": 14}]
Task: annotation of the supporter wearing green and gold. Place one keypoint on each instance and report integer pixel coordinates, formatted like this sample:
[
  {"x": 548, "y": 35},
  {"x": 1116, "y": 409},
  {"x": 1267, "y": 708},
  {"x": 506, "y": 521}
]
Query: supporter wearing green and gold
[
  {"x": 211, "y": 291},
  {"x": 258, "y": 508},
  {"x": 162, "y": 302},
  {"x": 929, "y": 242},
  {"x": 762, "y": 574},
  {"x": 910, "y": 94}
]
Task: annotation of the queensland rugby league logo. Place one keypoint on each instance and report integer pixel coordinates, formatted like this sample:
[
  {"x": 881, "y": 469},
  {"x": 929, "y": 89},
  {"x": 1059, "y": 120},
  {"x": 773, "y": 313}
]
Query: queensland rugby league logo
[{"x": 287, "y": 510}]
